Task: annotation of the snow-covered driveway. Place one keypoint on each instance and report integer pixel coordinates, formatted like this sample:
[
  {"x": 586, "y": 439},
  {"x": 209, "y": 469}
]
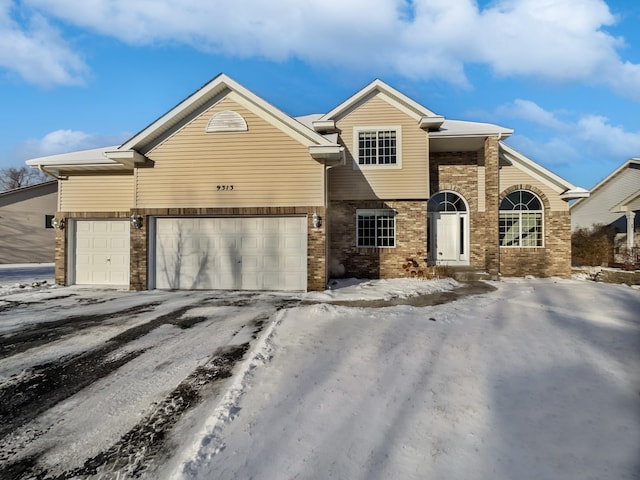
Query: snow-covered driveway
[{"x": 537, "y": 380}]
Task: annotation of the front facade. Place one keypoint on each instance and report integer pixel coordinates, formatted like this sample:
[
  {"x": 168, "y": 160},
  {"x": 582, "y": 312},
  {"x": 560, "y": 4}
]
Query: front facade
[{"x": 227, "y": 192}]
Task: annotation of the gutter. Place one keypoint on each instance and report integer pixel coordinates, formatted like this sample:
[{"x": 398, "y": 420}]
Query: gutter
[{"x": 51, "y": 174}]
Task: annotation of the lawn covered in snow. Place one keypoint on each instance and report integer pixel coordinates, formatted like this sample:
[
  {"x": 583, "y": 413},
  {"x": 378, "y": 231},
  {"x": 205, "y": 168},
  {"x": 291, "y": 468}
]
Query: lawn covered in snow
[{"x": 537, "y": 380}]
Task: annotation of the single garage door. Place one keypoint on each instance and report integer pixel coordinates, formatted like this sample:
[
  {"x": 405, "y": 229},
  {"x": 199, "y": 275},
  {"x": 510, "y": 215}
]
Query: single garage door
[
  {"x": 231, "y": 253},
  {"x": 101, "y": 252}
]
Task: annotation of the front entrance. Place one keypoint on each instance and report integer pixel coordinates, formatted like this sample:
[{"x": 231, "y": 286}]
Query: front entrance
[{"x": 448, "y": 229}]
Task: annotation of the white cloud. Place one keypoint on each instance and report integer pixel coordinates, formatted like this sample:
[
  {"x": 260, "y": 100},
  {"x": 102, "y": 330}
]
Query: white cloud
[
  {"x": 562, "y": 41},
  {"x": 62, "y": 141},
  {"x": 36, "y": 51},
  {"x": 566, "y": 142}
]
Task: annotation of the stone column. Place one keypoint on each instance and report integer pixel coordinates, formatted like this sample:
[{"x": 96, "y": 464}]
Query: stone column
[
  {"x": 492, "y": 186},
  {"x": 631, "y": 215}
]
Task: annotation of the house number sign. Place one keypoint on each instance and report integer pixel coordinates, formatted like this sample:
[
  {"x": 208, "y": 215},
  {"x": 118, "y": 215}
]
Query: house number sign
[{"x": 224, "y": 188}]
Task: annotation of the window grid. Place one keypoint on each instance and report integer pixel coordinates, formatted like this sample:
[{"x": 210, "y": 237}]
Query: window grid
[
  {"x": 377, "y": 147},
  {"x": 376, "y": 229},
  {"x": 521, "y": 220}
]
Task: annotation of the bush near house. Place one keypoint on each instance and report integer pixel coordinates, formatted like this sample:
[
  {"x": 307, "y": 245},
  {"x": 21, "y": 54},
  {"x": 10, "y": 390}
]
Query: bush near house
[{"x": 593, "y": 246}]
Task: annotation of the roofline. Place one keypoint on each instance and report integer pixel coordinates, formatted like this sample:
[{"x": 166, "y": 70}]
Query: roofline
[
  {"x": 608, "y": 178},
  {"x": 379, "y": 85},
  {"x": 208, "y": 92},
  {"x": 569, "y": 190},
  {"x": 29, "y": 187}
]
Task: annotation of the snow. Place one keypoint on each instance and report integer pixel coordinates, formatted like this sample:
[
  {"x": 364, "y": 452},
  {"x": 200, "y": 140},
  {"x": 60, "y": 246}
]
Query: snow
[{"x": 538, "y": 379}]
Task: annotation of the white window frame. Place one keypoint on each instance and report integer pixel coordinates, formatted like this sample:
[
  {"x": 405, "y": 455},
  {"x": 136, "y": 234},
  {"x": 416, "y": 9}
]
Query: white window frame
[
  {"x": 377, "y": 213},
  {"x": 519, "y": 214},
  {"x": 375, "y": 166}
]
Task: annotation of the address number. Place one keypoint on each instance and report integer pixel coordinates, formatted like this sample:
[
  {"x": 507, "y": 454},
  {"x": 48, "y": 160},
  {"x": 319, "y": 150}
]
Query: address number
[{"x": 224, "y": 188}]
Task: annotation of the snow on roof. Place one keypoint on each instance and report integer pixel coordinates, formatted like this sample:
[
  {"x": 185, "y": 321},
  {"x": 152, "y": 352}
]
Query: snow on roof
[
  {"x": 461, "y": 128},
  {"x": 81, "y": 157}
]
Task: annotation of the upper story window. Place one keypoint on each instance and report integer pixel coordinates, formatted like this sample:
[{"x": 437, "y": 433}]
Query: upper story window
[
  {"x": 521, "y": 218},
  {"x": 378, "y": 146}
]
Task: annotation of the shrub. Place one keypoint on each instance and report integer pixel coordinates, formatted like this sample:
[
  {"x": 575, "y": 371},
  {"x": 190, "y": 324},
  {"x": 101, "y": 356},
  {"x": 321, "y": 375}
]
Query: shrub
[{"x": 592, "y": 246}]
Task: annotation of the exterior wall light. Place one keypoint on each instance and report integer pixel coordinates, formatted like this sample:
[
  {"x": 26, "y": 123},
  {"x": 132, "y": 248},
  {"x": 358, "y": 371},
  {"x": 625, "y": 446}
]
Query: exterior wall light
[
  {"x": 58, "y": 224},
  {"x": 136, "y": 221},
  {"x": 317, "y": 220}
]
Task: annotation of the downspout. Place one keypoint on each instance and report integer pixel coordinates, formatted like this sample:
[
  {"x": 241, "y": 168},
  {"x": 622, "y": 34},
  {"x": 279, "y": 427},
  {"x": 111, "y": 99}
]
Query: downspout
[{"x": 52, "y": 175}]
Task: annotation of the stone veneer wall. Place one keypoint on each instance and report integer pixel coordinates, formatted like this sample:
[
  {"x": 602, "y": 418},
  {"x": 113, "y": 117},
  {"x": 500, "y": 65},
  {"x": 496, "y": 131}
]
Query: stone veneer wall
[
  {"x": 316, "y": 245},
  {"x": 411, "y": 228},
  {"x": 552, "y": 260}
]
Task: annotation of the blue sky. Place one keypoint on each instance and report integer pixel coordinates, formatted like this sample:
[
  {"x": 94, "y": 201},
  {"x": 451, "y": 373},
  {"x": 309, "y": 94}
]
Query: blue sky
[{"x": 564, "y": 74}]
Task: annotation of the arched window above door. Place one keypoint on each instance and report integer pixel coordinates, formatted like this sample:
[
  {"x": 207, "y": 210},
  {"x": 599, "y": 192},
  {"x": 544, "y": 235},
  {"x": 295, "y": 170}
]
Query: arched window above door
[{"x": 446, "y": 202}]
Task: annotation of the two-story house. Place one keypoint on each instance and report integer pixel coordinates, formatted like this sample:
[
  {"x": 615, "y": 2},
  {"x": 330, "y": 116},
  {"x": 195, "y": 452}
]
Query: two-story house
[{"x": 225, "y": 191}]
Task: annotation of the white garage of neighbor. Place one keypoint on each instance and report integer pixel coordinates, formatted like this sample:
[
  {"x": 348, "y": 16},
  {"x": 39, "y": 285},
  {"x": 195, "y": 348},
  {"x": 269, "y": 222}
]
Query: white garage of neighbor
[
  {"x": 230, "y": 253},
  {"x": 101, "y": 252}
]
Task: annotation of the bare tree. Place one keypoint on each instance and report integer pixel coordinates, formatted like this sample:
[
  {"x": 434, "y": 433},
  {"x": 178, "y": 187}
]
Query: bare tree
[{"x": 12, "y": 177}]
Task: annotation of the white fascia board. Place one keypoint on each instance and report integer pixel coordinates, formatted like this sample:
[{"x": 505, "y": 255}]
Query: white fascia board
[
  {"x": 327, "y": 152},
  {"x": 559, "y": 184},
  {"x": 431, "y": 123},
  {"x": 465, "y": 129},
  {"x": 93, "y": 156},
  {"x": 126, "y": 157},
  {"x": 324, "y": 125},
  {"x": 379, "y": 85}
]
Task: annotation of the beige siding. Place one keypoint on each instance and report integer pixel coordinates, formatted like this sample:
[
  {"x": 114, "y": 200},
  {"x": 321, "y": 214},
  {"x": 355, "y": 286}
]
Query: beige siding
[
  {"x": 103, "y": 193},
  {"x": 510, "y": 176},
  {"x": 409, "y": 182},
  {"x": 265, "y": 166}
]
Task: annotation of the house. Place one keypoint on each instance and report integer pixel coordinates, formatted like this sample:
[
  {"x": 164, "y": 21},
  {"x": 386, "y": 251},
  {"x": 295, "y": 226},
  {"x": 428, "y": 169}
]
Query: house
[
  {"x": 225, "y": 191},
  {"x": 615, "y": 201},
  {"x": 26, "y": 233}
]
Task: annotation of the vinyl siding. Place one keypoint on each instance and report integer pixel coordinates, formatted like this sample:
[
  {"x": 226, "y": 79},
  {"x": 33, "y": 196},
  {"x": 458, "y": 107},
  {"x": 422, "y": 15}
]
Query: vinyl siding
[
  {"x": 265, "y": 166},
  {"x": 595, "y": 208},
  {"x": 409, "y": 182},
  {"x": 510, "y": 176},
  {"x": 100, "y": 193}
]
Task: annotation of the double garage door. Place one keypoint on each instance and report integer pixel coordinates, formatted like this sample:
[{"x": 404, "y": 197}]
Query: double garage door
[
  {"x": 237, "y": 253},
  {"x": 231, "y": 253}
]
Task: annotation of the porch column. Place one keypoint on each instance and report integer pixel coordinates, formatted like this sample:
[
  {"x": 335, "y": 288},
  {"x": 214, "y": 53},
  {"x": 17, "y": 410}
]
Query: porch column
[
  {"x": 492, "y": 191},
  {"x": 631, "y": 234}
]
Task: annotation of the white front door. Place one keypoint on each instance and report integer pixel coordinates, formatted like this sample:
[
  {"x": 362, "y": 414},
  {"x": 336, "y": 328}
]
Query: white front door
[
  {"x": 231, "y": 253},
  {"x": 449, "y": 238},
  {"x": 101, "y": 253}
]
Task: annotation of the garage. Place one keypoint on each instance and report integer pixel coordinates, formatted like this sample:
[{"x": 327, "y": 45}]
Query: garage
[
  {"x": 231, "y": 253},
  {"x": 101, "y": 252}
]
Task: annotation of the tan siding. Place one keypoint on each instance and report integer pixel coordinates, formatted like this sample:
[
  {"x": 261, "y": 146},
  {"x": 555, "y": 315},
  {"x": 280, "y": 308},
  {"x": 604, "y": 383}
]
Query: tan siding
[
  {"x": 409, "y": 182},
  {"x": 265, "y": 166},
  {"x": 510, "y": 176},
  {"x": 96, "y": 193}
]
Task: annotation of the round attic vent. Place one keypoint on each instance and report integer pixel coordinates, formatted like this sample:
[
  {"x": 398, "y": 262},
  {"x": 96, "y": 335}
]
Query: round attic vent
[{"x": 227, "y": 121}]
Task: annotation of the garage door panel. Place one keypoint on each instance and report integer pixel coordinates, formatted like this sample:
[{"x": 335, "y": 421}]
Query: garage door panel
[
  {"x": 101, "y": 255},
  {"x": 251, "y": 253}
]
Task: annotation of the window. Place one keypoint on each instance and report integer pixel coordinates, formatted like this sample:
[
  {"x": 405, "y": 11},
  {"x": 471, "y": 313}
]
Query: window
[
  {"x": 378, "y": 146},
  {"x": 446, "y": 202},
  {"x": 521, "y": 220},
  {"x": 376, "y": 228}
]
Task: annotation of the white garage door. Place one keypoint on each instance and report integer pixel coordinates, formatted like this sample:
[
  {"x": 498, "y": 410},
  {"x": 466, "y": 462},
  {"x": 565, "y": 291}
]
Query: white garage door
[
  {"x": 239, "y": 253},
  {"x": 101, "y": 252}
]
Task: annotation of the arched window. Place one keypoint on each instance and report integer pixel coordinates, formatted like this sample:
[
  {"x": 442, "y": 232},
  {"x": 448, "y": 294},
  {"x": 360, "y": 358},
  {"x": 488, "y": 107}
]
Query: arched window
[
  {"x": 446, "y": 202},
  {"x": 521, "y": 220}
]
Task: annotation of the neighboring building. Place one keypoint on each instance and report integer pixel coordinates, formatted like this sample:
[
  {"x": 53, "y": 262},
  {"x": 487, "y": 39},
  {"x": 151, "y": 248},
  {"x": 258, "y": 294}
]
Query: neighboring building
[
  {"x": 615, "y": 201},
  {"x": 226, "y": 191},
  {"x": 26, "y": 233}
]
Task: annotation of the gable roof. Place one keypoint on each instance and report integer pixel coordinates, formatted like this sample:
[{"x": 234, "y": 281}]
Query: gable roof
[
  {"x": 132, "y": 152},
  {"x": 632, "y": 162},
  {"x": 566, "y": 189}
]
